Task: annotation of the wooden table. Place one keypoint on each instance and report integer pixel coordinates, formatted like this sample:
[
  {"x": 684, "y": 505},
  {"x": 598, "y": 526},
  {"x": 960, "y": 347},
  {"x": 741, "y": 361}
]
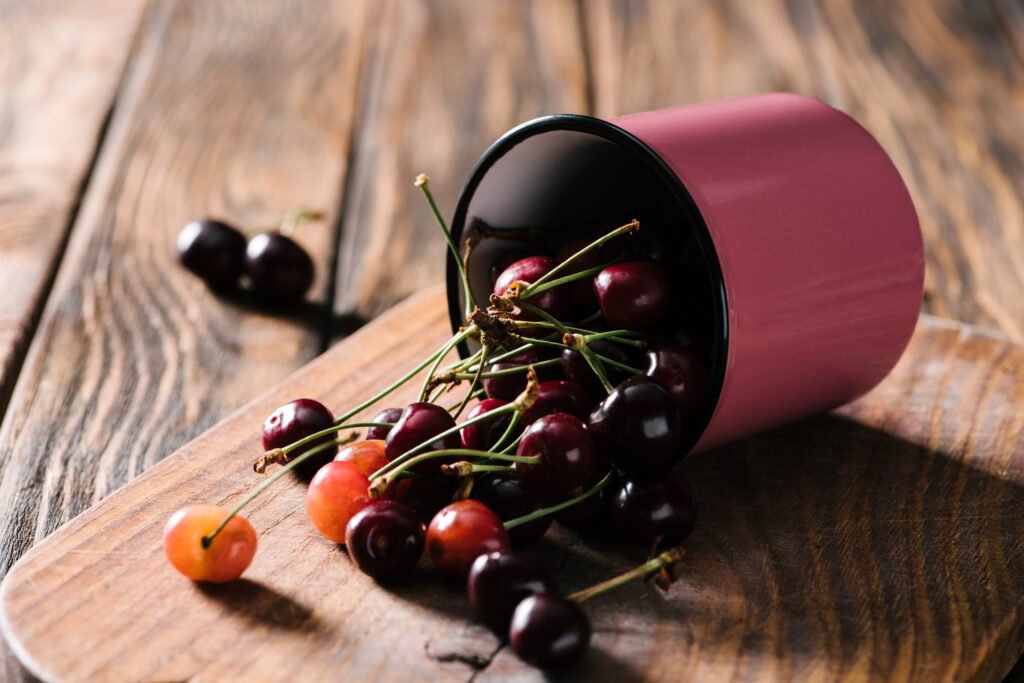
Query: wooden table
[{"x": 121, "y": 119}]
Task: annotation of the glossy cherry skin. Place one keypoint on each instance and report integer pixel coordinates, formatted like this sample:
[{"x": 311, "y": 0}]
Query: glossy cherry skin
[
  {"x": 482, "y": 436},
  {"x": 387, "y": 415},
  {"x": 558, "y": 396},
  {"x": 296, "y": 420},
  {"x": 639, "y": 426},
  {"x": 385, "y": 539},
  {"x": 367, "y": 455},
  {"x": 214, "y": 251},
  {"x": 460, "y": 533},
  {"x": 421, "y": 422},
  {"x": 581, "y": 292},
  {"x": 229, "y": 554},
  {"x": 593, "y": 511},
  {"x": 508, "y": 387},
  {"x": 530, "y": 269},
  {"x": 503, "y": 493},
  {"x": 335, "y": 495},
  {"x": 634, "y": 295},
  {"x": 498, "y": 582},
  {"x": 505, "y": 260},
  {"x": 680, "y": 370},
  {"x": 549, "y": 631},
  {"x": 577, "y": 369},
  {"x": 566, "y": 457},
  {"x": 278, "y": 268},
  {"x": 424, "y": 494},
  {"x": 650, "y": 508}
]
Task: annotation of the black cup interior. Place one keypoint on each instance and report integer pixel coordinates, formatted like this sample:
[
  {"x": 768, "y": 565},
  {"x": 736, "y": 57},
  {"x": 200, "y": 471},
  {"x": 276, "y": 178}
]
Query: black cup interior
[{"x": 560, "y": 178}]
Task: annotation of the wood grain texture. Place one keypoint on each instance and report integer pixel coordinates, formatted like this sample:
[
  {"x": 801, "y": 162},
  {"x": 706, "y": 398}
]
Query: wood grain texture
[
  {"x": 60, "y": 65},
  {"x": 223, "y": 113},
  {"x": 940, "y": 84},
  {"x": 880, "y": 542},
  {"x": 444, "y": 80}
]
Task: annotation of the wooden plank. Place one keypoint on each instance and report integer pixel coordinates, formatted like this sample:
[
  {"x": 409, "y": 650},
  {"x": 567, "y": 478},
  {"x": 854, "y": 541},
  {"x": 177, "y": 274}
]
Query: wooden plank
[
  {"x": 880, "y": 542},
  {"x": 445, "y": 79},
  {"x": 60, "y": 67},
  {"x": 239, "y": 109},
  {"x": 940, "y": 84}
]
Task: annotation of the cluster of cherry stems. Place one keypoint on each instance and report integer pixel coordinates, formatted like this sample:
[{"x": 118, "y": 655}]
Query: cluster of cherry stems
[{"x": 580, "y": 421}]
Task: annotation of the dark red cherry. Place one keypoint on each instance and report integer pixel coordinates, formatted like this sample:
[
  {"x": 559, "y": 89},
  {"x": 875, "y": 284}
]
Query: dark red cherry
[
  {"x": 592, "y": 511},
  {"x": 214, "y": 251},
  {"x": 503, "y": 493},
  {"x": 482, "y": 436},
  {"x": 577, "y": 369},
  {"x": 634, "y": 295},
  {"x": 680, "y": 370},
  {"x": 385, "y": 539},
  {"x": 638, "y": 425},
  {"x": 296, "y": 420},
  {"x": 566, "y": 457},
  {"x": 530, "y": 269},
  {"x": 278, "y": 268},
  {"x": 650, "y": 508},
  {"x": 503, "y": 261},
  {"x": 426, "y": 494},
  {"x": 549, "y": 631},
  {"x": 420, "y": 422},
  {"x": 460, "y": 533},
  {"x": 498, "y": 582},
  {"x": 508, "y": 387},
  {"x": 559, "y": 396},
  {"x": 649, "y": 244},
  {"x": 581, "y": 292},
  {"x": 387, "y": 415}
]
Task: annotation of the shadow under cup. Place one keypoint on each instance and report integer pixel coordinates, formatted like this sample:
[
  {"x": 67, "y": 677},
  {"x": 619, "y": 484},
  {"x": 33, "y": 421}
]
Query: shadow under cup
[{"x": 791, "y": 228}]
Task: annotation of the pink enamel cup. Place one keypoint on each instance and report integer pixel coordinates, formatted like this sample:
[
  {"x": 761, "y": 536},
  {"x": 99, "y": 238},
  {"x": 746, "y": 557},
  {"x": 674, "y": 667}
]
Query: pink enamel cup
[{"x": 812, "y": 262}]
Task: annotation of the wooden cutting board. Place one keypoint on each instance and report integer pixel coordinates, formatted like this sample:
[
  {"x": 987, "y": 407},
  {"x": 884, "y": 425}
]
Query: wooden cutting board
[{"x": 882, "y": 541}]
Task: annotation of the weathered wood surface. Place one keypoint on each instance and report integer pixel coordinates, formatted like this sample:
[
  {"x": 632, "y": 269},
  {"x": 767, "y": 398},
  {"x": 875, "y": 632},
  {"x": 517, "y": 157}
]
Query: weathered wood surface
[
  {"x": 60, "y": 65},
  {"x": 940, "y": 83},
  {"x": 878, "y": 543}
]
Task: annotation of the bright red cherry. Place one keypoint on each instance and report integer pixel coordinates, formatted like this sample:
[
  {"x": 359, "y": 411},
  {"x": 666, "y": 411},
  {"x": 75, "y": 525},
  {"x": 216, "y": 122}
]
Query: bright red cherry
[
  {"x": 482, "y": 436},
  {"x": 503, "y": 493},
  {"x": 279, "y": 269},
  {"x": 387, "y": 415},
  {"x": 213, "y": 250},
  {"x": 634, "y": 295},
  {"x": 559, "y": 396},
  {"x": 229, "y": 554},
  {"x": 385, "y": 539},
  {"x": 652, "y": 508},
  {"x": 549, "y": 631},
  {"x": 566, "y": 457},
  {"x": 336, "y": 493},
  {"x": 639, "y": 426},
  {"x": 680, "y": 370},
  {"x": 421, "y": 422},
  {"x": 296, "y": 420},
  {"x": 498, "y": 582},
  {"x": 460, "y": 533},
  {"x": 530, "y": 269}
]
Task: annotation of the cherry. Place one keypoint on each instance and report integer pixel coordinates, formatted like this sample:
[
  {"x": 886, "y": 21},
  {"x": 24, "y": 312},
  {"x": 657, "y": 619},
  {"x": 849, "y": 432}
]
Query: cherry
[
  {"x": 335, "y": 495},
  {"x": 367, "y": 455},
  {"x": 638, "y": 425},
  {"x": 566, "y": 457},
  {"x": 387, "y": 415},
  {"x": 278, "y": 268},
  {"x": 654, "y": 508},
  {"x": 508, "y": 387},
  {"x": 591, "y": 511},
  {"x": 461, "y": 532},
  {"x": 680, "y": 370},
  {"x": 549, "y": 631},
  {"x": 558, "y": 396},
  {"x": 498, "y": 582},
  {"x": 634, "y": 295},
  {"x": 581, "y": 292},
  {"x": 425, "y": 494},
  {"x": 419, "y": 423},
  {"x": 577, "y": 369},
  {"x": 503, "y": 493},
  {"x": 296, "y": 420},
  {"x": 503, "y": 261},
  {"x": 554, "y": 301},
  {"x": 385, "y": 539},
  {"x": 484, "y": 435},
  {"x": 229, "y": 553},
  {"x": 214, "y": 251}
]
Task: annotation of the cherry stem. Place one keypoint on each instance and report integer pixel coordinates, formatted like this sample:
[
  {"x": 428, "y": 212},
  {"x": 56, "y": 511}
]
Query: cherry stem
[
  {"x": 630, "y": 227},
  {"x": 566, "y": 279},
  {"x": 617, "y": 336},
  {"x": 288, "y": 467},
  {"x": 422, "y": 182},
  {"x": 622, "y": 366},
  {"x": 513, "y": 423},
  {"x": 536, "y": 310},
  {"x": 380, "y": 482},
  {"x": 473, "y": 394},
  {"x": 509, "y": 371},
  {"x": 292, "y": 219},
  {"x": 665, "y": 559},
  {"x": 439, "y": 357},
  {"x": 464, "y": 468},
  {"x": 597, "y": 367},
  {"x": 543, "y": 512},
  {"x": 484, "y": 350}
]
